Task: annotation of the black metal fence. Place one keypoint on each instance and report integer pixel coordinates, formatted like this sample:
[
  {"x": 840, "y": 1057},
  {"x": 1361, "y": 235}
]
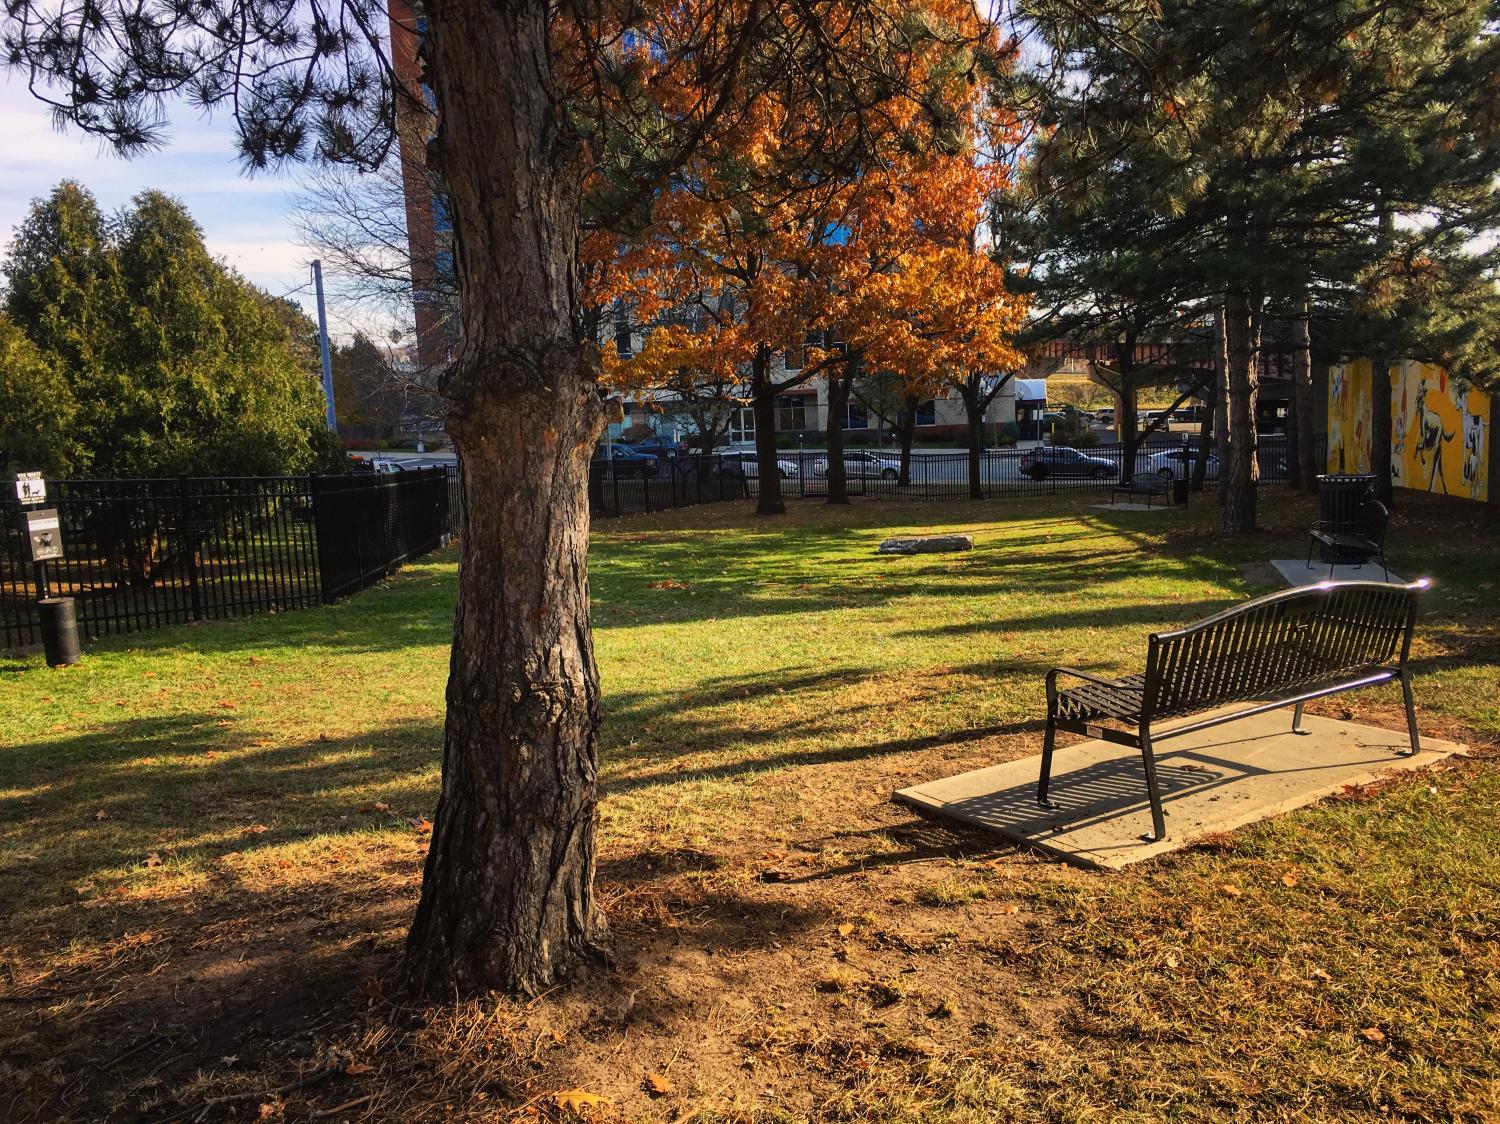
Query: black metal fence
[
  {"x": 626, "y": 488},
  {"x": 140, "y": 554}
]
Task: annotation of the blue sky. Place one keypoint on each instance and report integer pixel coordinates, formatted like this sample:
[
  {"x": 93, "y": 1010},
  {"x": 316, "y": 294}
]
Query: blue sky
[{"x": 244, "y": 219}]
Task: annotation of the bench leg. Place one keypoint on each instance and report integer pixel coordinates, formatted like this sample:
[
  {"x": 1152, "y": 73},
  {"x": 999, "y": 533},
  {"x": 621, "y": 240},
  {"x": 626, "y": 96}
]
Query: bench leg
[
  {"x": 1297, "y": 720},
  {"x": 1153, "y": 790},
  {"x": 1049, "y": 739},
  {"x": 1411, "y": 715}
]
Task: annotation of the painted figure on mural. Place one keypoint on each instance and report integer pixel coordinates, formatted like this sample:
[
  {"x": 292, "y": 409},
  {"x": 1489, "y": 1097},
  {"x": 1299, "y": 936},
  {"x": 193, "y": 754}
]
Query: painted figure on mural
[
  {"x": 1431, "y": 438},
  {"x": 1474, "y": 444}
]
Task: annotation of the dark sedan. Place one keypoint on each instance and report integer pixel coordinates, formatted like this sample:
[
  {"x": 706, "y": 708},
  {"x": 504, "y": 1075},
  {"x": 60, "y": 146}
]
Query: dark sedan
[
  {"x": 625, "y": 461},
  {"x": 1060, "y": 460}
]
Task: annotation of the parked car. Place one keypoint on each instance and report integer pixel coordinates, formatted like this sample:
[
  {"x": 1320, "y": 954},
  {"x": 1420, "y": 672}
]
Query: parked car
[
  {"x": 747, "y": 466},
  {"x": 1180, "y": 462},
  {"x": 660, "y": 446},
  {"x": 624, "y": 458},
  {"x": 862, "y": 465},
  {"x": 1060, "y": 460},
  {"x": 1105, "y": 416}
]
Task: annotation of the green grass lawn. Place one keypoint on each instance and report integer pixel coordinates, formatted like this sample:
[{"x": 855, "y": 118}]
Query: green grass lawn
[{"x": 211, "y": 837}]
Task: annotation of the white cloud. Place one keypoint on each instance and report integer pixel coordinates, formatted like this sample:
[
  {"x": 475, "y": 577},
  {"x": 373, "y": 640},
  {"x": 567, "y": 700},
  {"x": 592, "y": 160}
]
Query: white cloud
[{"x": 245, "y": 219}]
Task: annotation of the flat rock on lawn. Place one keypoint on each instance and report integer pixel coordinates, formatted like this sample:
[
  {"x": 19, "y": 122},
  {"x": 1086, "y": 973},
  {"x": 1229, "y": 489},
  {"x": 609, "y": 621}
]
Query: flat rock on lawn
[{"x": 929, "y": 544}]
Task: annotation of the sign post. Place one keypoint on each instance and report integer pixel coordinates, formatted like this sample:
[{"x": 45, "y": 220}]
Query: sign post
[{"x": 41, "y": 532}]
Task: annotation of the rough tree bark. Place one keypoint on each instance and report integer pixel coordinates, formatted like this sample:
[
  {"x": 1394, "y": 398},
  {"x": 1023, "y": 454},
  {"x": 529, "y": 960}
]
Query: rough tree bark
[
  {"x": 507, "y": 891},
  {"x": 969, "y": 391},
  {"x": 906, "y": 431},
  {"x": 1205, "y": 439},
  {"x": 1380, "y": 430},
  {"x": 1242, "y": 470},
  {"x": 763, "y": 404},
  {"x": 1129, "y": 394},
  {"x": 1221, "y": 403},
  {"x": 1301, "y": 462},
  {"x": 1380, "y": 398},
  {"x": 839, "y": 385}
]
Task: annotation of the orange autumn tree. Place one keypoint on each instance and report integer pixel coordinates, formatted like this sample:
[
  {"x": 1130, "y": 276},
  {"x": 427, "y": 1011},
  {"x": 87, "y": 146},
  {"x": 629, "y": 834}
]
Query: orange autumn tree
[
  {"x": 929, "y": 306},
  {"x": 778, "y": 255}
]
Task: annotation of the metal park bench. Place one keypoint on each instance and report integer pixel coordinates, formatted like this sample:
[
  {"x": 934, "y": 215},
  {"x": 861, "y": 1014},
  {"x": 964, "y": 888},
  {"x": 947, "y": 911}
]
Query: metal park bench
[
  {"x": 1148, "y": 484},
  {"x": 1354, "y": 540},
  {"x": 1284, "y": 649}
]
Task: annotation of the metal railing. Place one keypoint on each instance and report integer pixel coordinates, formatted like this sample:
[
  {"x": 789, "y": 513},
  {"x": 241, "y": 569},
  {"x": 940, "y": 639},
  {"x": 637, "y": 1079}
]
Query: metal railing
[
  {"x": 141, "y": 554},
  {"x": 631, "y": 488}
]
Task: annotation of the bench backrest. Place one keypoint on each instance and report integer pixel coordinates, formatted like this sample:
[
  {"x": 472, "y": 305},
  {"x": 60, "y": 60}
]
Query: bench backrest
[{"x": 1277, "y": 644}]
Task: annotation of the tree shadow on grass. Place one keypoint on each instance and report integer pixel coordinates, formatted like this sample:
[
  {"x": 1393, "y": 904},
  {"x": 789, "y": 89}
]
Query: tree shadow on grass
[
  {"x": 810, "y": 719},
  {"x": 188, "y": 790}
]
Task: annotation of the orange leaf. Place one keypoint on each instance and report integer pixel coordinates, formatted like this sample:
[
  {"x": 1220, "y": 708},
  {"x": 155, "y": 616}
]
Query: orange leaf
[
  {"x": 576, "y": 1100},
  {"x": 658, "y": 1084}
]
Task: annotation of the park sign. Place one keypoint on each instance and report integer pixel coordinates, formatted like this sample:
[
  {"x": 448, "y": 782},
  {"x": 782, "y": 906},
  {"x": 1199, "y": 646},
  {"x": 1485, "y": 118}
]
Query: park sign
[{"x": 31, "y": 488}]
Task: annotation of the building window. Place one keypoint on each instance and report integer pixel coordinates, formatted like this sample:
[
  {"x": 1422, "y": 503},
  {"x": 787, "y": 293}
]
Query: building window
[
  {"x": 927, "y": 413},
  {"x": 856, "y": 416},
  {"x": 742, "y": 425},
  {"x": 791, "y": 412}
]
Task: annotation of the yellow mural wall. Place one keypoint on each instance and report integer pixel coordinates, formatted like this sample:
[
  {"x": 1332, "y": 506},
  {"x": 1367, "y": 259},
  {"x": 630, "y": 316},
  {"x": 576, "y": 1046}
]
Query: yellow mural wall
[{"x": 1440, "y": 439}]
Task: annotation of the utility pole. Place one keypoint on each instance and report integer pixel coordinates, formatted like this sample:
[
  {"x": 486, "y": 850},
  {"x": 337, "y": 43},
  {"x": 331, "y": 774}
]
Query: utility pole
[{"x": 317, "y": 267}]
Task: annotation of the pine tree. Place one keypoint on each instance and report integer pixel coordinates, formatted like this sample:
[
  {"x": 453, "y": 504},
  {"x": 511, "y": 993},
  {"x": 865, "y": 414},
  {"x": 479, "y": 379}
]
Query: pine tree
[{"x": 172, "y": 362}]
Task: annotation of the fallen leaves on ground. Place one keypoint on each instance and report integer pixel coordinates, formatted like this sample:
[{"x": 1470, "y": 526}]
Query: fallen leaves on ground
[
  {"x": 658, "y": 1084},
  {"x": 576, "y": 1100}
]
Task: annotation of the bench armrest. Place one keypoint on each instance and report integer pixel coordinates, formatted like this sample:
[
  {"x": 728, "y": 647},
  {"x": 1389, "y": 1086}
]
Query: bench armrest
[{"x": 1087, "y": 677}]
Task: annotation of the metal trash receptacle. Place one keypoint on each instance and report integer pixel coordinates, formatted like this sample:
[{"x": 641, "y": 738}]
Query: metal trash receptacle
[{"x": 1340, "y": 496}]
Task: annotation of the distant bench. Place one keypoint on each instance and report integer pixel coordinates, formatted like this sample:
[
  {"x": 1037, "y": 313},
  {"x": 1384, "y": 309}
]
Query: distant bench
[
  {"x": 1148, "y": 484},
  {"x": 1284, "y": 649}
]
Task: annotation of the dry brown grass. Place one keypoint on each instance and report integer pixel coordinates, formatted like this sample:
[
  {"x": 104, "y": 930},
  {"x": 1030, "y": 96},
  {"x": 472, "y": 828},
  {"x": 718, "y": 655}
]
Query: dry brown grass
[{"x": 789, "y": 944}]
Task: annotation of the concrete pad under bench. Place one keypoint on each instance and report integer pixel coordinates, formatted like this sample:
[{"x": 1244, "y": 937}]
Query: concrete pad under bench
[
  {"x": 1212, "y": 781},
  {"x": 1295, "y": 573},
  {"x": 1134, "y": 507}
]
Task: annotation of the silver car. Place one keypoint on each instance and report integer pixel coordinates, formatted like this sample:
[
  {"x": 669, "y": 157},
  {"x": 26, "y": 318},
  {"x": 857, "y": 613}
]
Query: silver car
[
  {"x": 1181, "y": 462},
  {"x": 748, "y": 466},
  {"x": 862, "y": 465}
]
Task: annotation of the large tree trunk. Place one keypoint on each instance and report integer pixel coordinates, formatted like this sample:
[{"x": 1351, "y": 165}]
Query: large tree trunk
[
  {"x": 507, "y": 891},
  {"x": 1301, "y": 459},
  {"x": 969, "y": 391},
  {"x": 1205, "y": 439},
  {"x": 1242, "y": 469},
  {"x": 838, "y": 400},
  {"x": 1380, "y": 397},
  {"x": 1380, "y": 430},
  {"x": 1130, "y": 433},
  {"x": 1221, "y": 404},
  {"x": 763, "y": 403},
  {"x": 907, "y": 433}
]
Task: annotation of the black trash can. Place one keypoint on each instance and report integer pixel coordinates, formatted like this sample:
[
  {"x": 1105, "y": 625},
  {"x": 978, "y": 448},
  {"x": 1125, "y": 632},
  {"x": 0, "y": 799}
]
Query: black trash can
[{"x": 1340, "y": 496}]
